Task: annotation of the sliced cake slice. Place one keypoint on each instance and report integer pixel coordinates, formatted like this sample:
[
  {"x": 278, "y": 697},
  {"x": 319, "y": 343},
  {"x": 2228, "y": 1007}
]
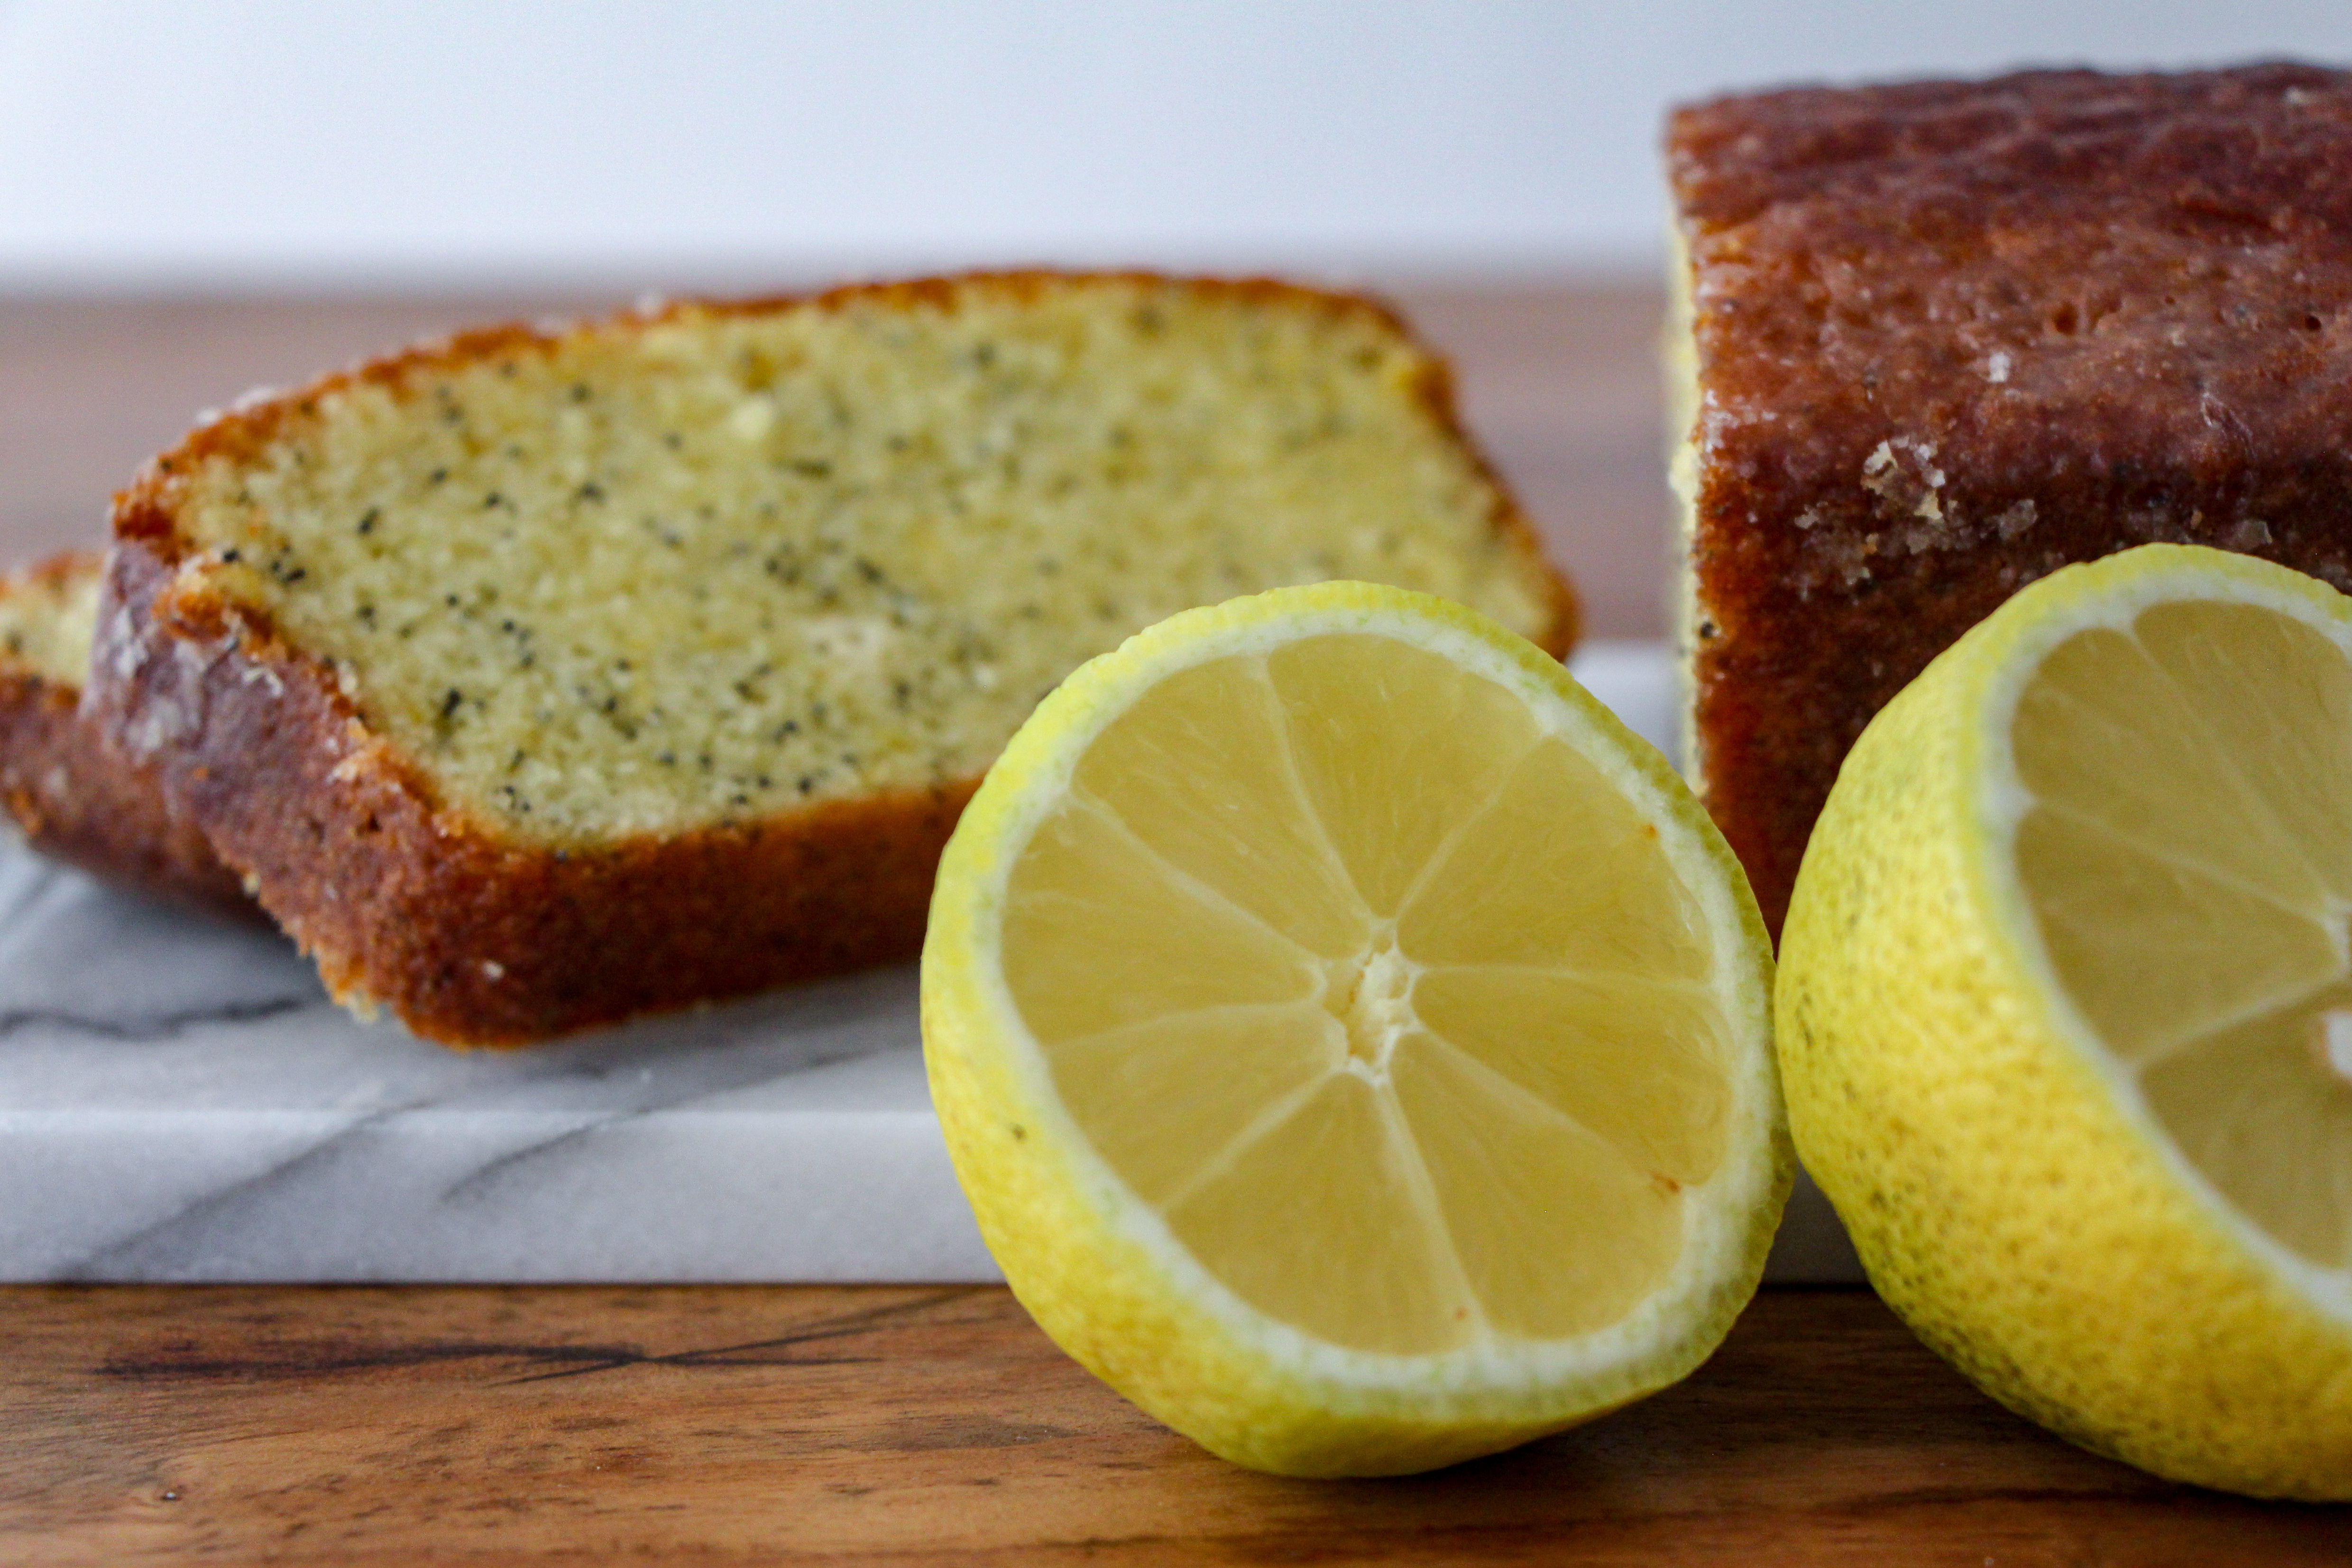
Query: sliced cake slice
[
  {"x": 539, "y": 678},
  {"x": 73, "y": 795},
  {"x": 1942, "y": 338}
]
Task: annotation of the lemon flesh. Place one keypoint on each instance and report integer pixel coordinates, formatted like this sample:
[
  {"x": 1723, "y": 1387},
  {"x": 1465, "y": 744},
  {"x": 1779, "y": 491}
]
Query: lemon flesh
[
  {"x": 1386, "y": 1020},
  {"x": 2066, "y": 1020},
  {"x": 2188, "y": 856}
]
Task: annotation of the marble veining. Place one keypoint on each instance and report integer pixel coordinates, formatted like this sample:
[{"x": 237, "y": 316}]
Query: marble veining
[{"x": 178, "y": 1101}]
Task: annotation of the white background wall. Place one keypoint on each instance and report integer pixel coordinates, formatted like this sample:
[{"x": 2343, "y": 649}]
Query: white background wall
[{"x": 321, "y": 142}]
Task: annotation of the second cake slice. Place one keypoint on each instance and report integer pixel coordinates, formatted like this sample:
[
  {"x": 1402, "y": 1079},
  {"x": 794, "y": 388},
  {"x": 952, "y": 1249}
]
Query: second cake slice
[{"x": 536, "y": 680}]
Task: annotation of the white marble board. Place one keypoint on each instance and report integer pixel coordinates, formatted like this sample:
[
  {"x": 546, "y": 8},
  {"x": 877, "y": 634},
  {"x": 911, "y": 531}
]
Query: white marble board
[{"x": 180, "y": 1102}]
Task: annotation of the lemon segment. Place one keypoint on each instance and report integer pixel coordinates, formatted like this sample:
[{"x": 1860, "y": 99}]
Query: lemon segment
[
  {"x": 2065, "y": 1009},
  {"x": 1353, "y": 1043},
  {"x": 2180, "y": 858}
]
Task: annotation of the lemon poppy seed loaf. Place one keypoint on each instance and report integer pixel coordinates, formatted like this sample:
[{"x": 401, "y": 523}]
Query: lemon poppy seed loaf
[
  {"x": 539, "y": 679},
  {"x": 1938, "y": 339},
  {"x": 71, "y": 794}
]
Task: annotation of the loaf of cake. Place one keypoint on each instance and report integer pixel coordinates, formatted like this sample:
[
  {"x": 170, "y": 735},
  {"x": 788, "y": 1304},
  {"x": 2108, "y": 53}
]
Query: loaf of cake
[
  {"x": 71, "y": 794},
  {"x": 1937, "y": 339},
  {"x": 539, "y": 679}
]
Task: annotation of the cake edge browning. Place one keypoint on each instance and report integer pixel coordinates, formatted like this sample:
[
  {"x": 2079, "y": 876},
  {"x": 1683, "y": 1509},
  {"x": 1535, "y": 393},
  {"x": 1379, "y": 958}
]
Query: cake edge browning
[
  {"x": 78, "y": 799},
  {"x": 474, "y": 937},
  {"x": 414, "y": 908}
]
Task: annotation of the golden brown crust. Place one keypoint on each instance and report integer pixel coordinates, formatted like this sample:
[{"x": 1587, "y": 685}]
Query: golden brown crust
[
  {"x": 1953, "y": 336},
  {"x": 412, "y": 906},
  {"x": 469, "y": 936},
  {"x": 79, "y": 798},
  {"x": 1564, "y": 616}
]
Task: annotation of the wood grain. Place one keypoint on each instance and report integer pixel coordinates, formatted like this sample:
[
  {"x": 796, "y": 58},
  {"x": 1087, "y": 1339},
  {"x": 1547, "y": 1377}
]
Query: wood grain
[
  {"x": 734, "y": 1424},
  {"x": 1558, "y": 382}
]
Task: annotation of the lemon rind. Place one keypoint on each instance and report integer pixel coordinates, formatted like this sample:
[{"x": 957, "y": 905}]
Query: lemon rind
[
  {"x": 1365, "y": 1409},
  {"x": 1896, "y": 1004}
]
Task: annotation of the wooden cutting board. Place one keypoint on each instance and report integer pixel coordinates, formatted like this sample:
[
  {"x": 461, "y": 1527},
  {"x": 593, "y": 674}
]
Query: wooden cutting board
[{"x": 749, "y": 1424}]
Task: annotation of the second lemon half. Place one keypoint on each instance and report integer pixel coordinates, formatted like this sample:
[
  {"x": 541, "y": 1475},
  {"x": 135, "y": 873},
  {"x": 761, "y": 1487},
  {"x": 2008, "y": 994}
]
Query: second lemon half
[{"x": 1354, "y": 1041}]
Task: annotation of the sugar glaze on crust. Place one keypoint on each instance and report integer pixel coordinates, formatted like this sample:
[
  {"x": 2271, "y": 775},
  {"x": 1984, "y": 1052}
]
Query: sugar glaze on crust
[
  {"x": 1951, "y": 336},
  {"x": 468, "y": 933},
  {"x": 77, "y": 798}
]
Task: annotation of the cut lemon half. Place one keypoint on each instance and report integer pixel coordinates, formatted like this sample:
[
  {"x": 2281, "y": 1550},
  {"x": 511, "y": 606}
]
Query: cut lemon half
[
  {"x": 1353, "y": 1042},
  {"x": 2065, "y": 1008}
]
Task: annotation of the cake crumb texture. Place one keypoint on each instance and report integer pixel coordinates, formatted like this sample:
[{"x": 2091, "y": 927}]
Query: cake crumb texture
[
  {"x": 641, "y": 613},
  {"x": 46, "y": 615},
  {"x": 620, "y": 581},
  {"x": 1948, "y": 337}
]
